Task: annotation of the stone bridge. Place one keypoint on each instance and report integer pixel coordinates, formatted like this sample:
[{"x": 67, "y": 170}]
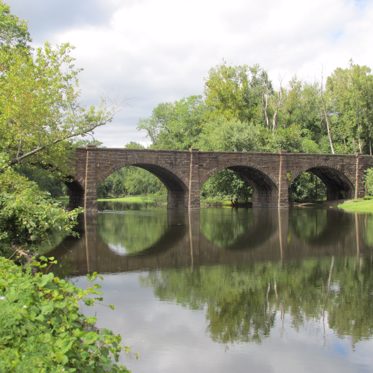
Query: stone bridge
[{"x": 184, "y": 172}]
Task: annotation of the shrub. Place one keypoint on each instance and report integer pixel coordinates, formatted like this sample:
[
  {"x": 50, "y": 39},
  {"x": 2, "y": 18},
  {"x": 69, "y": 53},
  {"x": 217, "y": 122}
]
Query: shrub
[
  {"x": 27, "y": 214},
  {"x": 369, "y": 182},
  {"x": 42, "y": 330}
]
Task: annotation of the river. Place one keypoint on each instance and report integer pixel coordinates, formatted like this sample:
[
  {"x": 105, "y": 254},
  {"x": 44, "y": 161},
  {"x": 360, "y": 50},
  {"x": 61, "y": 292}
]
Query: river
[{"x": 232, "y": 290}]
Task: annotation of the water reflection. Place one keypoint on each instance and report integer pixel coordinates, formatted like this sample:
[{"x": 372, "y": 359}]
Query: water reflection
[
  {"x": 241, "y": 305},
  {"x": 155, "y": 239},
  {"x": 132, "y": 231},
  {"x": 274, "y": 278},
  {"x": 238, "y": 229}
]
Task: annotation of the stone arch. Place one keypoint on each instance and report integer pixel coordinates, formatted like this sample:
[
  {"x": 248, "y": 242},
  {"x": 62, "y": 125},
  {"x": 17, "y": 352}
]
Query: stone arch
[
  {"x": 176, "y": 188},
  {"x": 338, "y": 185},
  {"x": 265, "y": 191}
]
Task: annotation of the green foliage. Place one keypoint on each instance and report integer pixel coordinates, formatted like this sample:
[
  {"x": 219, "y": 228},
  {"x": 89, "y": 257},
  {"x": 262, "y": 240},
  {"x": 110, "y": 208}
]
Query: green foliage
[
  {"x": 47, "y": 181},
  {"x": 13, "y": 31},
  {"x": 175, "y": 125},
  {"x": 42, "y": 329},
  {"x": 27, "y": 215},
  {"x": 236, "y": 92},
  {"x": 369, "y": 182},
  {"x": 307, "y": 188},
  {"x": 39, "y": 108},
  {"x": 350, "y": 94},
  {"x": 232, "y": 135},
  {"x": 130, "y": 181},
  {"x": 288, "y": 140},
  {"x": 227, "y": 184},
  {"x": 40, "y": 115}
]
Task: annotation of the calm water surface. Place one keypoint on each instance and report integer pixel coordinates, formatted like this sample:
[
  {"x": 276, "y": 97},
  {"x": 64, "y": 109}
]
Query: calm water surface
[{"x": 233, "y": 290}]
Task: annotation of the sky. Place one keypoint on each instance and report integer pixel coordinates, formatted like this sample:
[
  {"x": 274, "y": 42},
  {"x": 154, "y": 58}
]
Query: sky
[{"x": 139, "y": 53}]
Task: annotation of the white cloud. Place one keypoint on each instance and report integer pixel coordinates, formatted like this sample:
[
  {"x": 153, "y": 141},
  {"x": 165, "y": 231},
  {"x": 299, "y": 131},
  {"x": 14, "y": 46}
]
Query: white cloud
[{"x": 141, "y": 53}]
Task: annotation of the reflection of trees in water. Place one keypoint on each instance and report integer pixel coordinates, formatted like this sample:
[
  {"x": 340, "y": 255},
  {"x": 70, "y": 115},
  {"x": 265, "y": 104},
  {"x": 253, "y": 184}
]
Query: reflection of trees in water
[
  {"x": 320, "y": 226},
  {"x": 242, "y": 303},
  {"x": 223, "y": 226},
  {"x": 368, "y": 231},
  {"x": 132, "y": 231},
  {"x": 308, "y": 223}
]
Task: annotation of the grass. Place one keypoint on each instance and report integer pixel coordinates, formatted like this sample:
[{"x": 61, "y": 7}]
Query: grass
[
  {"x": 215, "y": 201},
  {"x": 149, "y": 198},
  {"x": 161, "y": 199},
  {"x": 358, "y": 205}
]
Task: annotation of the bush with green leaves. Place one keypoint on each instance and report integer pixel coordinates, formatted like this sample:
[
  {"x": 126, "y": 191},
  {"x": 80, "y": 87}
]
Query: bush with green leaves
[
  {"x": 369, "y": 182},
  {"x": 27, "y": 214},
  {"x": 42, "y": 329}
]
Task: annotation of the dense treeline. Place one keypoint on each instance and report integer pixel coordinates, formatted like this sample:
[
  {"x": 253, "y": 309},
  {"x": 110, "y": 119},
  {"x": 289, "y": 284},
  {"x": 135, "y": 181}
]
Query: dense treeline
[{"x": 240, "y": 110}]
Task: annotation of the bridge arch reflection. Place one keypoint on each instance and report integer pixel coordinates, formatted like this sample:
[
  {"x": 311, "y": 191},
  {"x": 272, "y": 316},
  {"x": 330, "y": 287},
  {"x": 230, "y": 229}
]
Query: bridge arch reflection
[{"x": 184, "y": 241}]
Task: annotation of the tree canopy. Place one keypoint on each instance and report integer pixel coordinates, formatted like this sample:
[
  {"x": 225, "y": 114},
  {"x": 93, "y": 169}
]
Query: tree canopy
[
  {"x": 240, "y": 110},
  {"x": 40, "y": 115}
]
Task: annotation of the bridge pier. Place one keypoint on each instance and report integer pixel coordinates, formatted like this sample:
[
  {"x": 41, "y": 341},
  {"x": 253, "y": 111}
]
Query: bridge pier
[
  {"x": 177, "y": 199},
  {"x": 90, "y": 182},
  {"x": 194, "y": 185}
]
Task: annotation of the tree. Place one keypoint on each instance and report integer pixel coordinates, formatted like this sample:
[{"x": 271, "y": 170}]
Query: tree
[
  {"x": 175, "y": 125},
  {"x": 39, "y": 107},
  {"x": 13, "y": 31},
  {"x": 350, "y": 95},
  {"x": 39, "y": 97},
  {"x": 238, "y": 92},
  {"x": 40, "y": 114}
]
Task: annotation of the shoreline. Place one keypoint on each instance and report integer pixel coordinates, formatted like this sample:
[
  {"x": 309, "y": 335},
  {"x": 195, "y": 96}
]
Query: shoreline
[{"x": 363, "y": 205}]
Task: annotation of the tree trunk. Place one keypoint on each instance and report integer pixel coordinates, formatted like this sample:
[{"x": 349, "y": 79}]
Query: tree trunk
[
  {"x": 265, "y": 96},
  {"x": 328, "y": 129}
]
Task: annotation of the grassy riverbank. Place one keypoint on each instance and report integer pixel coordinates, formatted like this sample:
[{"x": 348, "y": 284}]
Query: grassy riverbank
[
  {"x": 160, "y": 199},
  {"x": 358, "y": 205},
  {"x": 141, "y": 199}
]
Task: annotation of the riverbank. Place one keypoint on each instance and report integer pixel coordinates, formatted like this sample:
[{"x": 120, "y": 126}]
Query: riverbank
[
  {"x": 141, "y": 199},
  {"x": 161, "y": 200},
  {"x": 358, "y": 205}
]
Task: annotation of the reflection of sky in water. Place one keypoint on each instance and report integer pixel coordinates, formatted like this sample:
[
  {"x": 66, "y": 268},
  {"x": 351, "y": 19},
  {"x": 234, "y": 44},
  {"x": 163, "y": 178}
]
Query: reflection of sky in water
[
  {"x": 171, "y": 338},
  {"x": 117, "y": 249}
]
